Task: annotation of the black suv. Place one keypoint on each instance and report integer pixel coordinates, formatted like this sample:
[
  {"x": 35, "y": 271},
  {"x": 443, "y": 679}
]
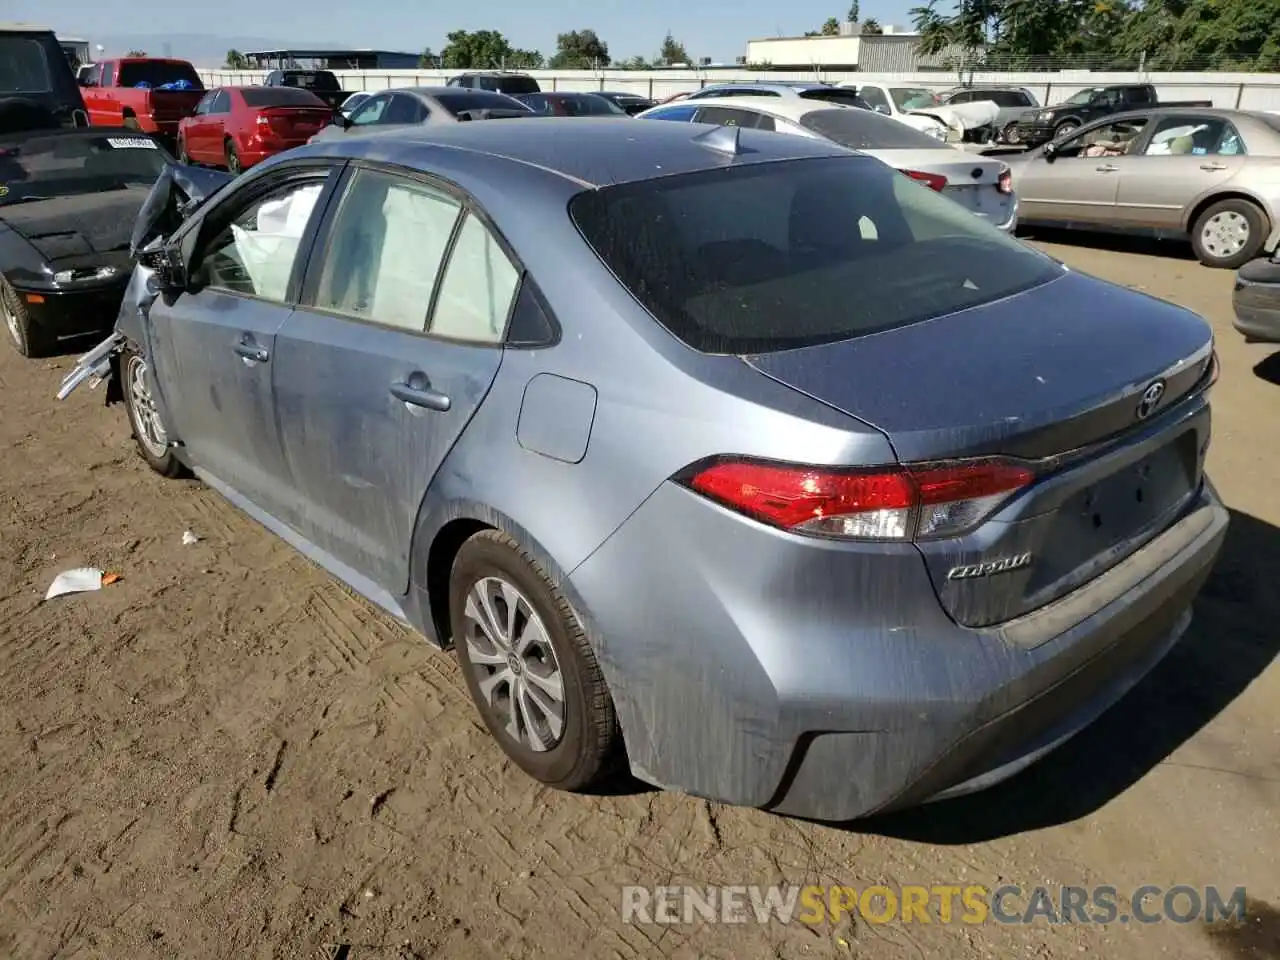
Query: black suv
[
  {"x": 37, "y": 87},
  {"x": 499, "y": 81}
]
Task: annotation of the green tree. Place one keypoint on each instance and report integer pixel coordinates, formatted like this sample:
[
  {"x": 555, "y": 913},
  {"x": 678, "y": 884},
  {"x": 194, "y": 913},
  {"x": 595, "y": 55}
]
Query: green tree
[
  {"x": 672, "y": 51},
  {"x": 135, "y": 54},
  {"x": 485, "y": 50},
  {"x": 854, "y": 11},
  {"x": 633, "y": 63},
  {"x": 236, "y": 60},
  {"x": 829, "y": 29},
  {"x": 871, "y": 27},
  {"x": 428, "y": 58},
  {"x": 580, "y": 50}
]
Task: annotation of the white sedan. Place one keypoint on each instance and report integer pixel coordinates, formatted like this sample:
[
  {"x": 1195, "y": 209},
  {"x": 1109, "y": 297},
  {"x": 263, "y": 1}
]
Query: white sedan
[{"x": 982, "y": 185}]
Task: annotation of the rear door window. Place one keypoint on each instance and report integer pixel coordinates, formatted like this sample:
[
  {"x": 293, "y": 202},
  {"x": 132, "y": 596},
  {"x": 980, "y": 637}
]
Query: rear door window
[
  {"x": 405, "y": 109},
  {"x": 479, "y": 285},
  {"x": 24, "y": 68},
  {"x": 781, "y": 255},
  {"x": 159, "y": 73},
  {"x": 727, "y": 117}
]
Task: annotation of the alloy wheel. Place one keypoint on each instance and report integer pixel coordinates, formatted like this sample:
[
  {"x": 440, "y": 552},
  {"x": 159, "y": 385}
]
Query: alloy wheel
[
  {"x": 142, "y": 407},
  {"x": 517, "y": 672}
]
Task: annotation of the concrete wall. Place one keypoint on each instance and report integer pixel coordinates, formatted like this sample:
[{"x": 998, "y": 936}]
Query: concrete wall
[{"x": 1247, "y": 91}]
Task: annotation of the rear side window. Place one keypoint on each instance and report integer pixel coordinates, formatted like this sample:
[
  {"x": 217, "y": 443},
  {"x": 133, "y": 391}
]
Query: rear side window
[
  {"x": 865, "y": 130},
  {"x": 279, "y": 97},
  {"x": 514, "y": 85},
  {"x": 158, "y": 73},
  {"x": 848, "y": 98},
  {"x": 781, "y": 255},
  {"x": 23, "y": 66},
  {"x": 681, "y": 113}
]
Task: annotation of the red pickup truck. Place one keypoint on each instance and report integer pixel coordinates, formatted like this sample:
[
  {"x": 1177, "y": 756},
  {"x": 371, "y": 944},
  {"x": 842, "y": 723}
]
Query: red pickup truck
[{"x": 145, "y": 93}]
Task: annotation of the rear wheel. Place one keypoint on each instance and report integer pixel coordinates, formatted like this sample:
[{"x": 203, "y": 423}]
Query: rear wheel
[
  {"x": 1010, "y": 133},
  {"x": 149, "y": 430},
  {"x": 528, "y": 665},
  {"x": 24, "y": 333},
  {"x": 233, "y": 159},
  {"x": 183, "y": 157},
  {"x": 1229, "y": 233},
  {"x": 131, "y": 122}
]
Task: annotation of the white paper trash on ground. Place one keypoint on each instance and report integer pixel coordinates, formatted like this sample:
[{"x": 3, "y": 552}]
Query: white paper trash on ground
[
  {"x": 81, "y": 580},
  {"x": 188, "y": 538}
]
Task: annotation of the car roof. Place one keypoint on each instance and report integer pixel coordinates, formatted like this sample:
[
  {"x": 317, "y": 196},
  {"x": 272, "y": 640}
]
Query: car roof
[
  {"x": 10, "y": 27},
  {"x": 593, "y": 152},
  {"x": 779, "y": 85},
  {"x": 792, "y": 108}
]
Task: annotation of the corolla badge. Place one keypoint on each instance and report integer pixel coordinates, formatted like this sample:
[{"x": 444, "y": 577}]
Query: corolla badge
[
  {"x": 1150, "y": 399},
  {"x": 969, "y": 571}
]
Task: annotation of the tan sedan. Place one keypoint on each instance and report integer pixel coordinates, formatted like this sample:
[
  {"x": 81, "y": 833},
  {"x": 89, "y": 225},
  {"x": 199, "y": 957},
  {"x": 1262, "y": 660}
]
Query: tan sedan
[{"x": 1210, "y": 175}]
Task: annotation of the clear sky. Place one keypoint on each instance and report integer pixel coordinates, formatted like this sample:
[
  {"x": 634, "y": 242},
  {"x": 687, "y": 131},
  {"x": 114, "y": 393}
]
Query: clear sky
[{"x": 717, "y": 30}]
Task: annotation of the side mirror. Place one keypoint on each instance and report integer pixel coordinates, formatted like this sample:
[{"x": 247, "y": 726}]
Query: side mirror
[
  {"x": 883, "y": 108},
  {"x": 1049, "y": 151}
]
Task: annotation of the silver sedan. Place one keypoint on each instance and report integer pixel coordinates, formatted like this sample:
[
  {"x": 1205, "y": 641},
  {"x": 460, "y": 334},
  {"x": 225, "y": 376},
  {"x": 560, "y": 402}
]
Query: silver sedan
[{"x": 418, "y": 106}]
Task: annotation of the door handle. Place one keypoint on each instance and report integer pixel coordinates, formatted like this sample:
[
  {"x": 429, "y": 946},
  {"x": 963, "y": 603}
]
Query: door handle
[
  {"x": 416, "y": 391},
  {"x": 1213, "y": 166},
  {"x": 252, "y": 352},
  {"x": 1107, "y": 168}
]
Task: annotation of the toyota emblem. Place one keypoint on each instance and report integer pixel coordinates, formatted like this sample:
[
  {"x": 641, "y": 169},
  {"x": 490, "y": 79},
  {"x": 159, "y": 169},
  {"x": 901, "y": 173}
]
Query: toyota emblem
[{"x": 1150, "y": 399}]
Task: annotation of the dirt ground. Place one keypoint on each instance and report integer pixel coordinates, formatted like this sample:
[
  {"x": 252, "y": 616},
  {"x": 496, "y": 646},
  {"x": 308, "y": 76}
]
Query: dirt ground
[{"x": 226, "y": 754}]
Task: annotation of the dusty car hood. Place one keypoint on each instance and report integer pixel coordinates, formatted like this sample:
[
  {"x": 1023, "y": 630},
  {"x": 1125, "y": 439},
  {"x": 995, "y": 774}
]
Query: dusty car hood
[{"x": 66, "y": 227}]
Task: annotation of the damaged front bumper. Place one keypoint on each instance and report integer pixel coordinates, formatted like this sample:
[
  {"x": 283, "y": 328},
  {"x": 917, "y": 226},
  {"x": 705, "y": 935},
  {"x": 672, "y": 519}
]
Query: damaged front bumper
[{"x": 95, "y": 367}]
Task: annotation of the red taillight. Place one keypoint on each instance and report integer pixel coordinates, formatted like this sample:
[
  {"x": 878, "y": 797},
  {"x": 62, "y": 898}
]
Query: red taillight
[
  {"x": 1006, "y": 179},
  {"x": 934, "y": 181},
  {"x": 894, "y": 503}
]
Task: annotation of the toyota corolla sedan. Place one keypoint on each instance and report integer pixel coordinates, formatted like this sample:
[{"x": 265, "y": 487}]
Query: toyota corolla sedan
[{"x": 737, "y": 457}]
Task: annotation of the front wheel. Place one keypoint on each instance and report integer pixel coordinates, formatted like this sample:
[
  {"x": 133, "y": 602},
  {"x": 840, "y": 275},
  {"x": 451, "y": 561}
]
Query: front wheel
[
  {"x": 1010, "y": 134},
  {"x": 1229, "y": 234},
  {"x": 1065, "y": 129},
  {"x": 528, "y": 665},
  {"x": 149, "y": 430},
  {"x": 27, "y": 337}
]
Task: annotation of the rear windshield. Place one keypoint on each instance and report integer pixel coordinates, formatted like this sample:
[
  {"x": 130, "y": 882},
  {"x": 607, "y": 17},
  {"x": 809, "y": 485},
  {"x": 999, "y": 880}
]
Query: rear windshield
[
  {"x": 588, "y": 105},
  {"x": 511, "y": 85},
  {"x": 157, "y": 74},
  {"x": 867, "y": 130},
  {"x": 280, "y": 97},
  {"x": 23, "y": 66},
  {"x": 849, "y": 98},
  {"x": 74, "y": 164},
  {"x": 311, "y": 80},
  {"x": 774, "y": 256},
  {"x": 455, "y": 101}
]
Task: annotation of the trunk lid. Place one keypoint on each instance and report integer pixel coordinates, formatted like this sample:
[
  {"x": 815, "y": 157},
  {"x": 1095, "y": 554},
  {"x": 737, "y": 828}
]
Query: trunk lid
[
  {"x": 973, "y": 182},
  {"x": 294, "y": 123},
  {"x": 1057, "y": 374}
]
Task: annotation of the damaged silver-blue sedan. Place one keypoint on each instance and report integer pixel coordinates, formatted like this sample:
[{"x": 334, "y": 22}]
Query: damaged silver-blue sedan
[{"x": 738, "y": 458}]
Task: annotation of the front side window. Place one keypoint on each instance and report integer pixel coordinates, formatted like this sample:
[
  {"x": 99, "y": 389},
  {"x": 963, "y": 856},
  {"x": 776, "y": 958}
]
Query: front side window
[
  {"x": 681, "y": 114},
  {"x": 780, "y": 255},
  {"x": 254, "y": 254},
  {"x": 478, "y": 287},
  {"x": 913, "y": 98},
  {"x": 875, "y": 98},
  {"x": 385, "y": 250},
  {"x": 1116, "y": 139},
  {"x": 404, "y": 110},
  {"x": 221, "y": 102}
]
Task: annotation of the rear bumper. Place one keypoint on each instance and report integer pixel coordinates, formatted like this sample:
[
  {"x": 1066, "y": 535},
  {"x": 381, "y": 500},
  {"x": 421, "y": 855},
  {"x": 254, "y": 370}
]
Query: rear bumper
[
  {"x": 1257, "y": 309},
  {"x": 79, "y": 313},
  {"x": 821, "y": 681}
]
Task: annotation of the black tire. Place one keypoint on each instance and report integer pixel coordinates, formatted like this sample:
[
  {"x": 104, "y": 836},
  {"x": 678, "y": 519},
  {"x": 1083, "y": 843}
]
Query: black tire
[
  {"x": 233, "y": 160},
  {"x": 154, "y": 449},
  {"x": 589, "y": 744},
  {"x": 1235, "y": 211},
  {"x": 1065, "y": 129},
  {"x": 1010, "y": 133},
  {"x": 27, "y": 336},
  {"x": 183, "y": 158},
  {"x": 131, "y": 122}
]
